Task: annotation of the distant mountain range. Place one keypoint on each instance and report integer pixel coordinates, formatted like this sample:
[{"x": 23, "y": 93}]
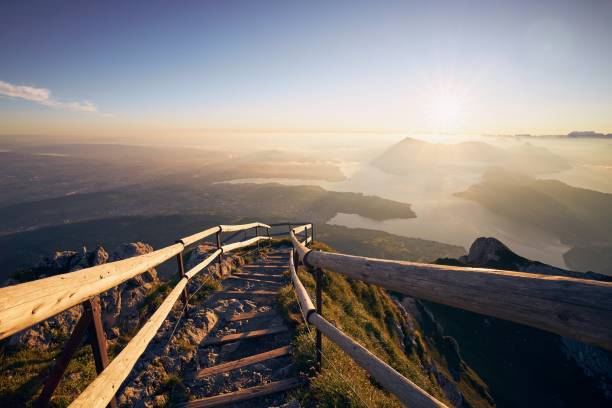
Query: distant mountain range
[
  {"x": 589, "y": 134},
  {"x": 412, "y": 154},
  {"x": 584, "y": 134},
  {"x": 578, "y": 216}
]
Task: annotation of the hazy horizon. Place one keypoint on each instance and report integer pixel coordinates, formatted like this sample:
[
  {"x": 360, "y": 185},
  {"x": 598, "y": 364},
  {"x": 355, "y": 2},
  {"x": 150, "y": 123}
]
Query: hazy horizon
[{"x": 141, "y": 70}]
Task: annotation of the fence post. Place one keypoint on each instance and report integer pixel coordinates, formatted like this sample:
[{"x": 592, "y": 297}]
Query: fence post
[
  {"x": 181, "y": 274},
  {"x": 97, "y": 339},
  {"x": 319, "y": 306},
  {"x": 257, "y": 235},
  {"x": 219, "y": 258},
  {"x": 269, "y": 238},
  {"x": 90, "y": 321},
  {"x": 71, "y": 346},
  {"x": 311, "y": 233}
]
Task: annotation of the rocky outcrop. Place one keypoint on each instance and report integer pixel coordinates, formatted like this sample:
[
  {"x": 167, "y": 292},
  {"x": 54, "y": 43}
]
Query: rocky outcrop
[
  {"x": 165, "y": 359},
  {"x": 220, "y": 269},
  {"x": 492, "y": 253},
  {"x": 120, "y": 305}
]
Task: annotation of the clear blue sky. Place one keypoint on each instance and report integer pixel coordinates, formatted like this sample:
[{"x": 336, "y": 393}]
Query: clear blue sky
[{"x": 191, "y": 66}]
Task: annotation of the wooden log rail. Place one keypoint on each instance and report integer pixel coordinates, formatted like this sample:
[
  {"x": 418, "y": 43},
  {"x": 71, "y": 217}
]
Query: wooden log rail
[
  {"x": 26, "y": 304},
  {"x": 407, "y": 392},
  {"x": 579, "y": 309}
]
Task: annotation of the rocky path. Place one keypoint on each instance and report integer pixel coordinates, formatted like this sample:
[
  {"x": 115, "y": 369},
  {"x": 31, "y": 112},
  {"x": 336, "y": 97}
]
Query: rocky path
[{"x": 246, "y": 359}]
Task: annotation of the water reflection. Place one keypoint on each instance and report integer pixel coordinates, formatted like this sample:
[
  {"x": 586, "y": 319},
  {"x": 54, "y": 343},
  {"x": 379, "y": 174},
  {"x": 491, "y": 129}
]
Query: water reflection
[{"x": 440, "y": 215}]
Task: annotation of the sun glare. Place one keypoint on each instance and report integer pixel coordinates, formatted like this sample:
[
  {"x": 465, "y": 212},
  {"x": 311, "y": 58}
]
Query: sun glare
[
  {"x": 447, "y": 110},
  {"x": 446, "y": 106}
]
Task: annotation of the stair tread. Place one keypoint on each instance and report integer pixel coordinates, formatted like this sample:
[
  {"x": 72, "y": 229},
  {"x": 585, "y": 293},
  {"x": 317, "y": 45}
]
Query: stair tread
[
  {"x": 232, "y": 365},
  {"x": 258, "y": 275},
  {"x": 251, "y": 315},
  {"x": 244, "y": 394},
  {"x": 244, "y": 335},
  {"x": 266, "y": 265},
  {"x": 255, "y": 280},
  {"x": 248, "y": 293}
]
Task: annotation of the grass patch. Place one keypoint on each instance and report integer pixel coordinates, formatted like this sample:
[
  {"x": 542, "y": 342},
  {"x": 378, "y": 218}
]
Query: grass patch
[
  {"x": 174, "y": 390},
  {"x": 367, "y": 314},
  {"x": 24, "y": 372},
  {"x": 211, "y": 285}
]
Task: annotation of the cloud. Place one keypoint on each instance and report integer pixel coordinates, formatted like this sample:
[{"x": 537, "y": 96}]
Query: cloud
[{"x": 43, "y": 97}]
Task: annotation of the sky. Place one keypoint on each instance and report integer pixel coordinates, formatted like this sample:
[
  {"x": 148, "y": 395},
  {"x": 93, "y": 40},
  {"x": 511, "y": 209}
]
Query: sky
[{"x": 198, "y": 68}]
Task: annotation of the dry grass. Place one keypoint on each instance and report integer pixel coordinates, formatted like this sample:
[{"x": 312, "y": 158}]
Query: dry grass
[{"x": 369, "y": 316}]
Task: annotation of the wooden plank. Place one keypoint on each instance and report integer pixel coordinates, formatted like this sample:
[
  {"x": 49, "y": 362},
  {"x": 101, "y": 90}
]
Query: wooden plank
[
  {"x": 250, "y": 293},
  {"x": 240, "y": 227},
  {"x": 244, "y": 335},
  {"x": 245, "y": 394},
  {"x": 26, "y": 304},
  {"x": 243, "y": 362},
  {"x": 252, "y": 315},
  {"x": 200, "y": 235},
  {"x": 580, "y": 309},
  {"x": 255, "y": 266},
  {"x": 101, "y": 390},
  {"x": 255, "y": 280},
  {"x": 258, "y": 275}
]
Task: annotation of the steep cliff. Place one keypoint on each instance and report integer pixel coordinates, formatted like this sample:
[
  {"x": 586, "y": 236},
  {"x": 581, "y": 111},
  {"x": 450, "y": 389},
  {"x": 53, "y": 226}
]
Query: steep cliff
[
  {"x": 398, "y": 330},
  {"x": 524, "y": 366}
]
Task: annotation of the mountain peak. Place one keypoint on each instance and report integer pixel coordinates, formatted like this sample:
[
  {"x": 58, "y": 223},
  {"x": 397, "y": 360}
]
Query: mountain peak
[{"x": 487, "y": 250}]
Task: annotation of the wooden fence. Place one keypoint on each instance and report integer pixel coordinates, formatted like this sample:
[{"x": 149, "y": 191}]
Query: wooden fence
[
  {"x": 26, "y": 304},
  {"x": 576, "y": 308},
  {"x": 580, "y": 309},
  {"x": 410, "y": 394}
]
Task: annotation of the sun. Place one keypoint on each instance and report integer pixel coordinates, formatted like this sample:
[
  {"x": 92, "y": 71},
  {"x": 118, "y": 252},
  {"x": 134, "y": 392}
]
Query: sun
[
  {"x": 446, "y": 107},
  {"x": 447, "y": 110}
]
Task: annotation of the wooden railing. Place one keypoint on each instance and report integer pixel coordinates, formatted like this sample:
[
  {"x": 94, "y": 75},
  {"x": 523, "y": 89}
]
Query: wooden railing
[
  {"x": 26, "y": 304},
  {"x": 580, "y": 309},
  {"x": 576, "y": 308},
  {"x": 405, "y": 390}
]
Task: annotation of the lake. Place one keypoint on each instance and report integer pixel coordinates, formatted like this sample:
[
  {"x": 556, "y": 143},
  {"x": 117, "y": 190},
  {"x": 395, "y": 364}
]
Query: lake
[{"x": 440, "y": 215}]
